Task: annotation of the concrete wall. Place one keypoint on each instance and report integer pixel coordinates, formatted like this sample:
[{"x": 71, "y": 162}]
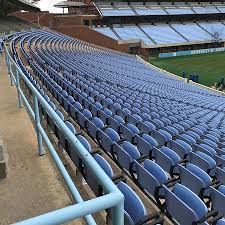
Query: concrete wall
[{"x": 89, "y": 35}]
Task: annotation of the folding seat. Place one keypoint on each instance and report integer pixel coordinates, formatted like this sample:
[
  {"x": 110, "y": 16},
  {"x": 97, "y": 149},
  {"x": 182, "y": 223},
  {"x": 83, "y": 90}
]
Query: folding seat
[
  {"x": 95, "y": 107},
  {"x": 194, "y": 135},
  {"x": 91, "y": 180},
  {"x": 88, "y": 102},
  {"x": 166, "y": 121},
  {"x": 210, "y": 143},
  {"x": 126, "y": 153},
  {"x": 145, "y": 144},
  {"x": 201, "y": 127},
  {"x": 154, "y": 115},
  {"x": 145, "y": 116},
  {"x": 187, "y": 138},
  {"x": 220, "y": 174},
  {"x": 114, "y": 107},
  {"x": 100, "y": 97},
  {"x": 146, "y": 127},
  {"x": 104, "y": 115},
  {"x": 161, "y": 136},
  {"x": 62, "y": 139},
  {"x": 74, "y": 109},
  {"x": 185, "y": 125},
  {"x": 151, "y": 177},
  {"x": 204, "y": 161},
  {"x": 62, "y": 96},
  {"x": 167, "y": 159},
  {"x": 82, "y": 96},
  {"x": 178, "y": 127},
  {"x": 116, "y": 122},
  {"x": 136, "y": 110},
  {"x": 171, "y": 130},
  {"x": 82, "y": 118},
  {"x": 94, "y": 126},
  {"x": 46, "y": 114},
  {"x": 123, "y": 113},
  {"x": 134, "y": 209},
  {"x": 134, "y": 119},
  {"x": 158, "y": 123},
  {"x": 181, "y": 203},
  {"x": 129, "y": 132},
  {"x": 41, "y": 108},
  {"x": 67, "y": 102},
  {"x": 196, "y": 179},
  {"x": 218, "y": 198},
  {"x": 212, "y": 137},
  {"x": 206, "y": 149},
  {"x": 108, "y": 138},
  {"x": 107, "y": 102},
  {"x": 75, "y": 157}
]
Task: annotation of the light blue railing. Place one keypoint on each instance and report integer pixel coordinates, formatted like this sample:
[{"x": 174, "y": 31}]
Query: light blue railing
[{"x": 112, "y": 198}]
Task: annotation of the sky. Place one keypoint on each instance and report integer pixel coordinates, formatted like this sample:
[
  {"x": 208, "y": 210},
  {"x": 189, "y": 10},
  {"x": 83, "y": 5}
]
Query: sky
[{"x": 47, "y": 5}]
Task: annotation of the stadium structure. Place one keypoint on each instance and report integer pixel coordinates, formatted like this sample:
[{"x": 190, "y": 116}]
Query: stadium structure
[
  {"x": 119, "y": 141},
  {"x": 143, "y": 27}
]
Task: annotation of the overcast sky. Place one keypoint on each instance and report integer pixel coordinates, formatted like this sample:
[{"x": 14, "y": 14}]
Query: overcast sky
[{"x": 47, "y": 5}]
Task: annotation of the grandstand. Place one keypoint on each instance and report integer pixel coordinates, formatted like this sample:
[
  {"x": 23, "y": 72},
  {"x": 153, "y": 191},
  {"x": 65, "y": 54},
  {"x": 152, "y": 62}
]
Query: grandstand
[
  {"x": 160, "y": 140},
  {"x": 130, "y": 144}
]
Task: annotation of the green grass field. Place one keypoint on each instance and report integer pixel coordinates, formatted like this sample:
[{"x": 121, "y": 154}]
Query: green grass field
[{"x": 209, "y": 67}]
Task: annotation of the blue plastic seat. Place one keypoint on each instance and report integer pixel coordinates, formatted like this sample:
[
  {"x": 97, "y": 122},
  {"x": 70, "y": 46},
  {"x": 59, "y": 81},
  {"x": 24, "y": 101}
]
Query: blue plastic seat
[
  {"x": 180, "y": 147},
  {"x": 108, "y": 138},
  {"x": 195, "y": 179},
  {"x": 134, "y": 208},
  {"x": 151, "y": 177},
  {"x": 126, "y": 153},
  {"x": 218, "y": 199},
  {"x": 94, "y": 126},
  {"x": 203, "y": 161},
  {"x": 145, "y": 144},
  {"x": 115, "y": 122},
  {"x": 92, "y": 180},
  {"x": 129, "y": 132},
  {"x": 182, "y": 203},
  {"x": 167, "y": 159},
  {"x": 161, "y": 136}
]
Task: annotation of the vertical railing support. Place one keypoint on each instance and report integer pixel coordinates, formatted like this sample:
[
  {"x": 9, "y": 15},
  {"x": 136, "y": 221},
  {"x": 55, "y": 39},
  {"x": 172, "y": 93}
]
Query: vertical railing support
[
  {"x": 118, "y": 212},
  {"x": 10, "y": 73},
  {"x": 18, "y": 88},
  {"x": 37, "y": 122}
]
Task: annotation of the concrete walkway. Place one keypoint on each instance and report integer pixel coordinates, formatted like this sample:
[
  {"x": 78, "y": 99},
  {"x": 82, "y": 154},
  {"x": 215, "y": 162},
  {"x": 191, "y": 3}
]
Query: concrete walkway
[{"x": 32, "y": 186}]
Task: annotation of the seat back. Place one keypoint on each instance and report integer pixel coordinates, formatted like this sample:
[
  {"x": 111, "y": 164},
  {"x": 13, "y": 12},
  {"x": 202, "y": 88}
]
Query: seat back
[{"x": 132, "y": 203}]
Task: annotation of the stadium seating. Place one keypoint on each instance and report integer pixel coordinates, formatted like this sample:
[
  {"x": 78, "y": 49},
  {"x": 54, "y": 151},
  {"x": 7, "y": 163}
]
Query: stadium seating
[
  {"x": 192, "y": 32},
  {"x": 163, "y": 34},
  {"x": 175, "y": 33},
  {"x": 132, "y": 32},
  {"x": 165, "y": 135},
  {"x": 106, "y": 31}
]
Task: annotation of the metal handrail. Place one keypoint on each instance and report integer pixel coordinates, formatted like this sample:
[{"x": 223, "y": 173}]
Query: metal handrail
[{"x": 113, "y": 198}]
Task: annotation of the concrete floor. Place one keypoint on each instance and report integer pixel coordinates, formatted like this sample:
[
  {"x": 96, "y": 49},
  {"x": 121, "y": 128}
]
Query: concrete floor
[{"x": 32, "y": 186}]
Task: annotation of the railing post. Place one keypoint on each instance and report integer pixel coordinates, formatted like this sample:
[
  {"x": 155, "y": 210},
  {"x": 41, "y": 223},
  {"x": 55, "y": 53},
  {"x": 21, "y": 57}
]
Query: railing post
[
  {"x": 10, "y": 73},
  {"x": 37, "y": 122},
  {"x": 18, "y": 88},
  {"x": 118, "y": 213}
]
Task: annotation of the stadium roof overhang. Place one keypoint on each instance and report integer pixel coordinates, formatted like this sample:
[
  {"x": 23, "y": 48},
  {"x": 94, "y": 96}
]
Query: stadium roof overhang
[
  {"x": 68, "y": 4},
  {"x": 7, "y": 6}
]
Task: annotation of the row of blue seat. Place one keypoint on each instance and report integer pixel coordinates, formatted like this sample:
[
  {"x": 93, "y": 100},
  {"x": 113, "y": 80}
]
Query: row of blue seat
[{"x": 110, "y": 139}]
